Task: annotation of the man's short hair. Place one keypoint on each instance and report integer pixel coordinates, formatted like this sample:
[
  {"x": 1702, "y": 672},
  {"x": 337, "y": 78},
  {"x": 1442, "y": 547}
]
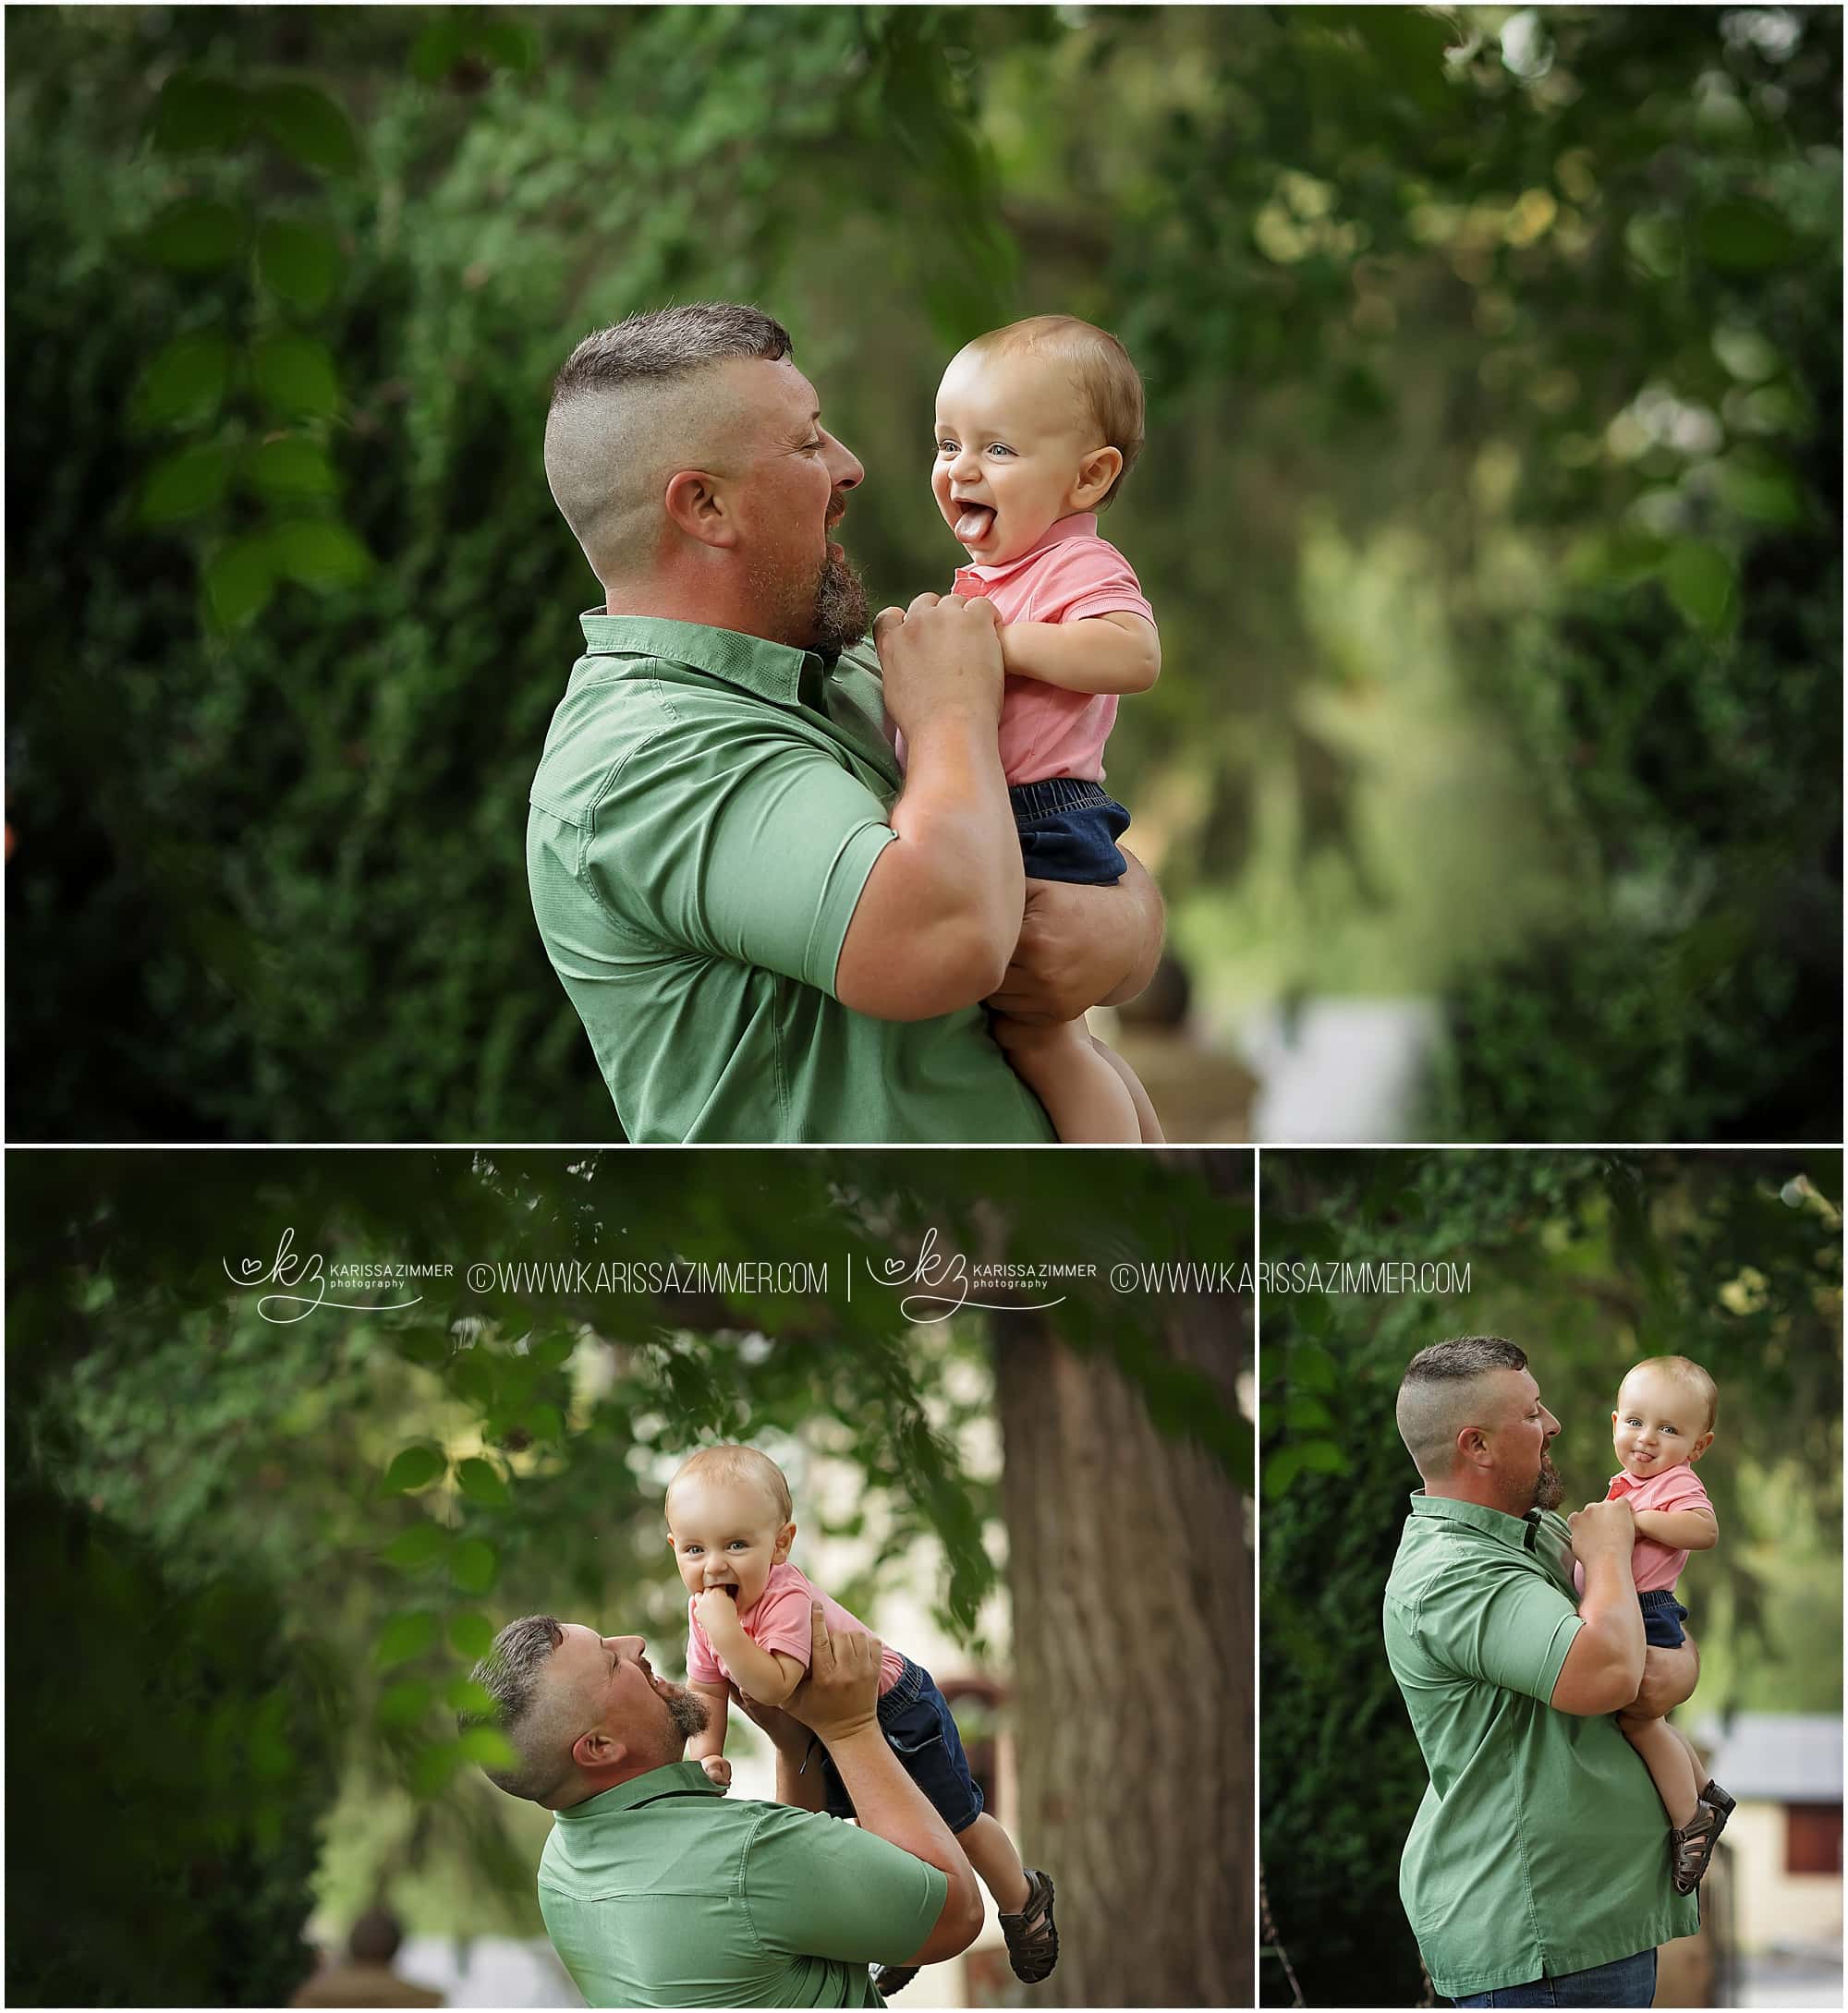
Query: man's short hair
[
  {"x": 729, "y": 1462},
  {"x": 1438, "y": 1396},
  {"x": 539, "y": 1717},
  {"x": 626, "y": 414},
  {"x": 1100, "y": 371},
  {"x": 374, "y": 1937},
  {"x": 1687, "y": 1373}
]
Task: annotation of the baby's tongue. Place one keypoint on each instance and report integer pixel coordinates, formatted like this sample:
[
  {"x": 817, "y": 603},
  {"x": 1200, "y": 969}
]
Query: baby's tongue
[{"x": 973, "y": 522}]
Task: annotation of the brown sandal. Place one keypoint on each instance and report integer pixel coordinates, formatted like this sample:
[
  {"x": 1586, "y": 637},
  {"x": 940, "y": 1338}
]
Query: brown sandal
[
  {"x": 1691, "y": 1845},
  {"x": 890, "y": 1978},
  {"x": 1032, "y": 1937}
]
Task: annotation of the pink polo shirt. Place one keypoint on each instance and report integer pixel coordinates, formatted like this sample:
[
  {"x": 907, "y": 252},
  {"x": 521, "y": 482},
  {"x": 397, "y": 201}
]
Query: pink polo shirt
[
  {"x": 1675, "y": 1488},
  {"x": 778, "y": 1619},
  {"x": 1071, "y": 573}
]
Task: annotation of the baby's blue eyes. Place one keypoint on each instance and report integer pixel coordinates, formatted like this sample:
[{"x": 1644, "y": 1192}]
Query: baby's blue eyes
[{"x": 995, "y": 447}]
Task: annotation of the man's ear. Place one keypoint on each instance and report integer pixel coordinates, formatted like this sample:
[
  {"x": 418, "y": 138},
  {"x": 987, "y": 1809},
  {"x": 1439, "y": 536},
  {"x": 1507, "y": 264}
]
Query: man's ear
[
  {"x": 784, "y": 1539},
  {"x": 697, "y": 510},
  {"x": 1096, "y": 471},
  {"x": 597, "y": 1749},
  {"x": 1472, "y": 1444}
]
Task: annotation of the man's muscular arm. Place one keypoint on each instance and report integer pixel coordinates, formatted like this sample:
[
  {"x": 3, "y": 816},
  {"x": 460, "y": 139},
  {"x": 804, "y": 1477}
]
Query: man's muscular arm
[{"x": 1082, "y": 947}]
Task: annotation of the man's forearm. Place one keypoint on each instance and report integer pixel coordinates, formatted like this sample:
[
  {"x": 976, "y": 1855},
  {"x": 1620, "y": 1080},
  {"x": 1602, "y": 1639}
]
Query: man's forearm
[
  {"x": 890, "y": 1804},
  {"x": 954, "y": 811},
  {"x": 1614, "y": 1620},
  {"x": 798, "y": 1774}
]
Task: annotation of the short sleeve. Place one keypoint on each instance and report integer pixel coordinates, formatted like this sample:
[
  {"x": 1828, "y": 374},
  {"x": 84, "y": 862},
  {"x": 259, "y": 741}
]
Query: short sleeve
[
  {"x": 1086, "y": 576},
  {"x": 736, "y": 842},
  {"x": 816, "y": 1887},
  {"x": 702, "y": 1665},
  {"x": 1680, "y": 1489},
  {"x": 1513, "y": 1628},
  {"x": 783, "y": 1622}
]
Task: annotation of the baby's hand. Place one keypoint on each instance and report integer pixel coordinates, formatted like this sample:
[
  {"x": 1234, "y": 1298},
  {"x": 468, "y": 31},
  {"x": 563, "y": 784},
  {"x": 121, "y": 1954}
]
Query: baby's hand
[
  {"x": 714, "y": 1610},
  {"x": 718, "y": 1770}
]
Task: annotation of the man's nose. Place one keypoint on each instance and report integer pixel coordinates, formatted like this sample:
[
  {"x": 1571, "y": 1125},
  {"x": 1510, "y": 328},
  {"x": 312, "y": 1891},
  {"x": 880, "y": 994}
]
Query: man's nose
[{"x": 845, "y": 468}]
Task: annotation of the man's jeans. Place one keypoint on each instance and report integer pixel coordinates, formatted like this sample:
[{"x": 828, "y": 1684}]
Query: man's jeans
[{"x": 1628, "y": 1981}]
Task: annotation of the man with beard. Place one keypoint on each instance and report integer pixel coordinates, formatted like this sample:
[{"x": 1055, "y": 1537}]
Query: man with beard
[
  {"x": 769, "y": 932},
  {"x": 1536, "y": 1872},
  {"x": 657, "y": 1891}
]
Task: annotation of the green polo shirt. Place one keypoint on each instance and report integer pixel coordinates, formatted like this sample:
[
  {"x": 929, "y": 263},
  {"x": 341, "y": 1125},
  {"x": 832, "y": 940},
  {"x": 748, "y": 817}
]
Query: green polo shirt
[
  {"x": 705, "y": 815},
  {"x": 1541, "y": 1846},
  {"x": 663, "y": 1892}
]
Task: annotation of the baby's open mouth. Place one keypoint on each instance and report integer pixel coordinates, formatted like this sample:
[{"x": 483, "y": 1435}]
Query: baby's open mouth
[{"x": 973, "y": 523}]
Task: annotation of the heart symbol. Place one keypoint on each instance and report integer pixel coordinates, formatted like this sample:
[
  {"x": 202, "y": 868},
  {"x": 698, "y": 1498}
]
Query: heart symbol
[
  {"x": 893, "y": 1267},
  {"x": 249, "y": 1268}
]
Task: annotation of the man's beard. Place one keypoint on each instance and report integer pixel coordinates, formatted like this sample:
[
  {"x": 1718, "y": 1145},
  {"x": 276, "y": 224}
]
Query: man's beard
[
  {"x": 840, "y": 616},
  {"x": 1549, "y": 1488},
  {"x": 688, "y": 1711}
]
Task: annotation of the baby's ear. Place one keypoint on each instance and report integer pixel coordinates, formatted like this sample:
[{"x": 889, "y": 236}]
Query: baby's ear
[
  {"x": 784, "y": 1539},
  {"x": 1097, "y": 471}
]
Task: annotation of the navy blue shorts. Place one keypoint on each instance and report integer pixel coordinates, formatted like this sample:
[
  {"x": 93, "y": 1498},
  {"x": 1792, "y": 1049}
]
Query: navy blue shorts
[
  {"x": 1068, "y": 830},
  {"x": 1662, "y": 1619},
  {"x": 915, "y": 1718}
]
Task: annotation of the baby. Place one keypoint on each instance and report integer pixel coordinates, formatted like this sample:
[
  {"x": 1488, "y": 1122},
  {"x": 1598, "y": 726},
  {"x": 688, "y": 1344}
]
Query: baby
[
  {"x": 729, "y": 1522},
  {"x": 1038, "y": 424},
  {"x": 1664, "y": 1424}
]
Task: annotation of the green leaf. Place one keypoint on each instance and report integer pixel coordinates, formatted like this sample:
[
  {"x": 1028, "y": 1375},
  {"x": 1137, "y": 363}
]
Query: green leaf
[
  {"x": 1305, "y": 1414},
  {"x": 1312, "y": 1369},
  {"x": 300, "y": 262},
  {"x": 422, "y": 1546},
  {"x": 321, "y": 553},
  {"x": 415, "y": 1467},
  {"x": 507, "y": 44},
  {"x": 1740, "y": 236},
  {"x": 308, "y": 127},
  {"x": 183, "y": 384},
  {"x": 470, "y": 1634},
  {"x": 1762, "y": 491},
  {"x": 240, "y": 579},
  {"x": 295, "y": 374},
  {"x": 464, "y": 1695},
  {"x": 473, "y": 1565},
  {"x": 438, "y": 50},
  {"x": 403, "y": 1637},
  {"x": 194, "y": 235},
  {"x": 488, "y": 1747},
  {"x": 432, "y": 1768},
  {"x": 554, "y": 1352},
  {"x": 196, "y": 113},
  {"x": 403, "y": 1704},
  {"x": 416, "y": 1345},
  {"x": 545, "y": 1422},
  {"x": 289, "y": 467},
  {"x": 1280, "y": 1470},
  {"x": 1322, "y": 1457},
  {"x": 1699, "y": 580},
  {"x": 186, "y": 484},
  {"x": 480, "y": 1482}
]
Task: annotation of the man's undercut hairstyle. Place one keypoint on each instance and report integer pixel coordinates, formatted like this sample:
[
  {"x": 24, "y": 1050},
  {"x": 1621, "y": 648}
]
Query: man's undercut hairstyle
[
  {"x": 1688, "y": 1373},
  {"x": 729, "y": 1462},
  {"x": 1439, "y": 1395},
  {"x": 538, "y": 1715},
  {"x": 1100, "y": 372},
  {"x": 636, "y": 403}
]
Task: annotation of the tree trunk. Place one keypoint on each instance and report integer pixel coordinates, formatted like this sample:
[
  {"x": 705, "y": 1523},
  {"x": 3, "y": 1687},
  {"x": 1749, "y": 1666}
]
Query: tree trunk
[{"x": 1132, "y": 1589}]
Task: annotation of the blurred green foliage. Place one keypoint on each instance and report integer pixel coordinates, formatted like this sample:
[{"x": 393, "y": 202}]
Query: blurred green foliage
[
  {"x": 1588, "y": 1261},
  {"x": 392, "y": 1486},
  {"x": 1544, "y": 299}
]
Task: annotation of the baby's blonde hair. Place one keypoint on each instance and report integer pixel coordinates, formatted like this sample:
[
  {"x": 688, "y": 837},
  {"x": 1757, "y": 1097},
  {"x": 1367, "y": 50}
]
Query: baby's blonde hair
[
  {"x": 1102, "y": 374},
  {"x": 1684, "y": 1370},
  {"x": 728, "y": 1462}
]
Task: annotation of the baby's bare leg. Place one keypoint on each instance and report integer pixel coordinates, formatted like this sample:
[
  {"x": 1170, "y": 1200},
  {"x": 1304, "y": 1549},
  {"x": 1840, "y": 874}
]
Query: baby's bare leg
[
  {"x": 1673, "y": 1766},
  {"x": 991, "y": 1852},
  {"x": 1152, "y": 1134},
  {"x": 1086, "y": 1100}
]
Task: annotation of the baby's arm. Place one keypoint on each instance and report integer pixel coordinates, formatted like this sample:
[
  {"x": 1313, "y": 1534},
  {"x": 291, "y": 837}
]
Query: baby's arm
[
  {"x": 1115, "y": 652},
  {"x": 769, "y": 1676},
  {"x": 708, "y": 1748},
  {"x": 1680, "y": 1530}
]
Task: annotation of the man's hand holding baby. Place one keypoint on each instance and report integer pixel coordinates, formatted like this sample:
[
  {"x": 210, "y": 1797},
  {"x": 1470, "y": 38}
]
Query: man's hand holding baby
[{"x": 839, "y": 1697}]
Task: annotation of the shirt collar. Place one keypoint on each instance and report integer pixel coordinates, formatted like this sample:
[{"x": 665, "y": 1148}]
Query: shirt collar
[
  {"x": 1081, "y": 525},
  {"x": 772, "y": 670},
  {"x": 677, "y": 1778},
  {"x": 1517, "y": 1533}
]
